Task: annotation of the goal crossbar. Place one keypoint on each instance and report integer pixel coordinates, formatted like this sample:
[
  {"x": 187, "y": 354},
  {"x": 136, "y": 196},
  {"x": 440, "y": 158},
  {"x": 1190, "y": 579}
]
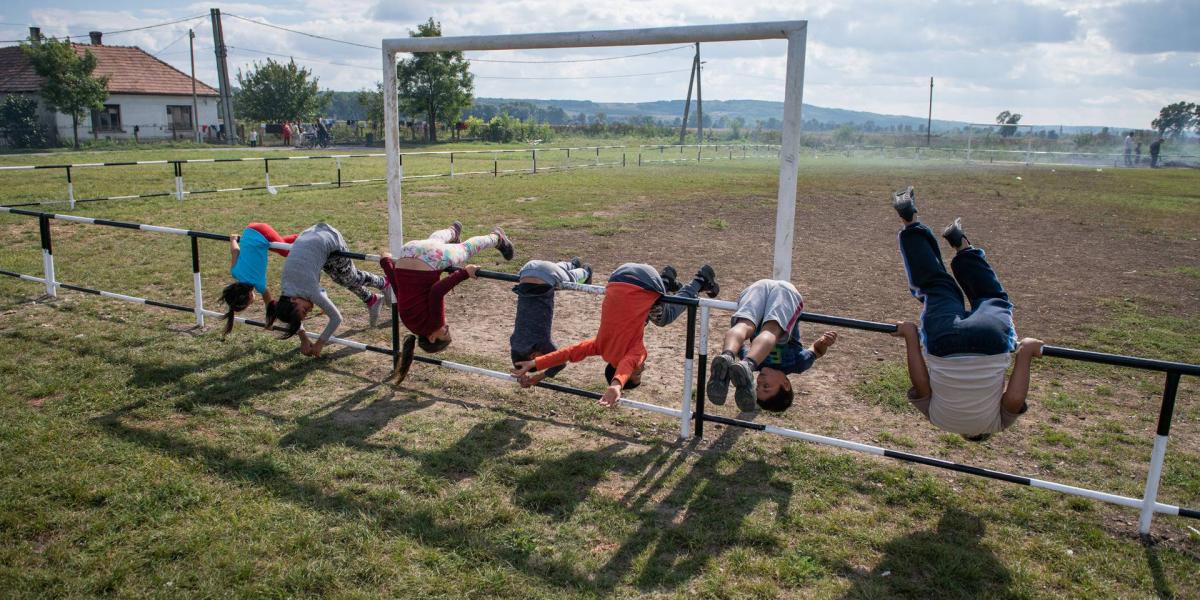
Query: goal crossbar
[{"x": 795, "y": 32}]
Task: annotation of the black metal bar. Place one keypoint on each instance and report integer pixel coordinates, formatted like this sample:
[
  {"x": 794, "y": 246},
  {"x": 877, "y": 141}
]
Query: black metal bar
[
  {"x": 1121, "y": 360},
  {"x": 690, "y": 350},
  {"x": 952, "y": 466},
  {"x": 339, "y": 173},
  {"x": 1187, "y": 512},
  {"x": 1167, "y": 409},
  {"x": 847, "y": 322},
  {"x": 195, "y": 254},
  {"x": 44, "y": 230},
  {"x": 701, "y": 418}
]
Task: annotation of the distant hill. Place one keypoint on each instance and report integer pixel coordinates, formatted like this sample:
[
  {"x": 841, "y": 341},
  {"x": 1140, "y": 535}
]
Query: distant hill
[{"x": 344, "y": 105}]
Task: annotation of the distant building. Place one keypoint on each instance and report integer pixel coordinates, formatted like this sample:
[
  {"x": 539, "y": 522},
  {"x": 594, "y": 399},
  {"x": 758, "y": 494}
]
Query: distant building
[{"x": 143, "y": 92}]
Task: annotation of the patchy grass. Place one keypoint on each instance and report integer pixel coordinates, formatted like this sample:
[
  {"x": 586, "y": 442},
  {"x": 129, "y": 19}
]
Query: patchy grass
[{"x": 143, "y": 458}]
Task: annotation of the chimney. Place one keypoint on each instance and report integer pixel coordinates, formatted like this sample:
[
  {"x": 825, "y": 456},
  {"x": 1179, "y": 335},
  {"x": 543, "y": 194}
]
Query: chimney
[
  {"x": 95, "y": 35},
  {"x": 35, "y": 34}
]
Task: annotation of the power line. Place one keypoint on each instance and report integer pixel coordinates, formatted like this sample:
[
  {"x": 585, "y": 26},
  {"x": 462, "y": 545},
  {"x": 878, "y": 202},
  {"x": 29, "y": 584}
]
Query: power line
[
  {"x": 177, "y": 40},
  {"x": 297, "y": 32},
  {"x": 590, "y": 76},
  {"x": 304, "y": 58},
  {"x": 191, "y": 18}
]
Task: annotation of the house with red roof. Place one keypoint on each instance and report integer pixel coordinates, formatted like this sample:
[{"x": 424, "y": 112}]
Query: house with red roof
[{"x": 147, "y": 98}]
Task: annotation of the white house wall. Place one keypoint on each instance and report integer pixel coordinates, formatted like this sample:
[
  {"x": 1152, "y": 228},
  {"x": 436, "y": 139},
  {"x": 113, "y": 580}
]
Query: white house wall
[{"x": 148, "y": 113}]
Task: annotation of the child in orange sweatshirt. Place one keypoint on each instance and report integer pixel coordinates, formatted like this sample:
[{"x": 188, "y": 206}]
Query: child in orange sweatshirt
[{"x": 631, "y": 299}]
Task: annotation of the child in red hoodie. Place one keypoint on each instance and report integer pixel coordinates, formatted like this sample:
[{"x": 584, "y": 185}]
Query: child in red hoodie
[
  {"x": 631, "y": 299},
  {"x": 416, "y": 279}
]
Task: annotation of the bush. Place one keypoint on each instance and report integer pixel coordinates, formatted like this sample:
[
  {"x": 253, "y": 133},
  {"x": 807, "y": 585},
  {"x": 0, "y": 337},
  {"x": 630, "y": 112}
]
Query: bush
[
  {"x": 19, "y": 122},
  {"x": 504, "y": 128}
]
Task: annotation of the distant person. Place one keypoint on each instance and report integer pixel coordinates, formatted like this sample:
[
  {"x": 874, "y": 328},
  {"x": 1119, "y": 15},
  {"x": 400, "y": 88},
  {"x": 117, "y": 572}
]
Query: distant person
[
  {"x": 1137, "y": 154},
  {"x": 254, "y": 138},
  {"x": 1155, "y": 146},
  {"x": 1129, "y": 149},
  {"x": 322, "y": 133},
  {"x": 287, "y": 133}
]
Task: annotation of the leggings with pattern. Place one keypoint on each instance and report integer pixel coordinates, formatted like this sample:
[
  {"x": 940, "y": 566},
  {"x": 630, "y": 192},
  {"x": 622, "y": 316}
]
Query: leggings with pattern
[{"x": 439, "y": 253}]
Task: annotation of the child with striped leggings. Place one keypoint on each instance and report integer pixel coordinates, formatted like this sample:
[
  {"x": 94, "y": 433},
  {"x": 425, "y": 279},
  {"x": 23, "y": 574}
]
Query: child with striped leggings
[{"x": 300, "y": 286}]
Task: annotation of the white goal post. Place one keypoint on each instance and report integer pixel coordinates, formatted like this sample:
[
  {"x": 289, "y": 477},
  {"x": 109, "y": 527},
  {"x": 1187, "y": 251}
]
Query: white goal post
[{"x": 795, "y": 32}]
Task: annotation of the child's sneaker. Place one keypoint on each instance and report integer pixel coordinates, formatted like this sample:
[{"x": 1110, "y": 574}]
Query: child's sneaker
[
  {"x": 457, "y": 228},
  {"x": 576, "y": 263},
  {"x": 742, "y": 375},
  {"x": 505, "y": 245},
  {"x": 905, "y": 203},
  {"x": 670, "y": 279},
  {"x": 955, "y": 235},
  {"x": 708, "y": 281},
  {"x": 374, "y": 304},
  {"x": 718, "y": 383},
  {"x": 587, "y": 280}
]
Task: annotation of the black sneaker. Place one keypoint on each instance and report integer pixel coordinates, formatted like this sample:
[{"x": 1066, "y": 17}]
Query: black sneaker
[
  {"x": 576, "y": 263},
  {"x": 708, "y": 281},
  {"x": 742, "y": 375},
  {"x": 505, "y": 246},
  {"x": 905, "y": 203},
  {"x": 406, "y": 359},
  {"x": 670, "y": 279},
  {"x": 588, "y": 279},
  {"x": 955, "y": 235},
  {"x": 457, "y": 227},
  {"x": 718, "y": 383}
]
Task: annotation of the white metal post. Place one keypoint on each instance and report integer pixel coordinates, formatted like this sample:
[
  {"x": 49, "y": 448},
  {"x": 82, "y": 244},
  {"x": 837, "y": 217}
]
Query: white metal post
[
  {"x": 1165, "y": 412},
  {"x": 391, "y": 134},
  {"x": 785, "y": 211}
]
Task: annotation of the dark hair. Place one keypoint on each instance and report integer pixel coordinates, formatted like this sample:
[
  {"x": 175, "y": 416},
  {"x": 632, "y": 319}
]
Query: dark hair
[
  {"x": 406, "y": 358},
  {"x": 630, "y": 384},
  {"x": 285, "y": 310},
  {"x": 432, "y": 346},
  {"x": 780, "y": 402},
  {"x": 237, "y": 297}
]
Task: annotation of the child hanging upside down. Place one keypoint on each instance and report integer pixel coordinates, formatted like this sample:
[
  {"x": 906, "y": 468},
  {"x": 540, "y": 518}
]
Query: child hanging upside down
[
  {"x": 420, "y": 289},
  {"x": 248, "y": 266},
  {"x": 538, "y": 280},
  {"x": 768, "y": 316},
  {"x": 631, "y": 299},
  {"x": 958, "y": 357},
  {"x": 300, "y": 285}
]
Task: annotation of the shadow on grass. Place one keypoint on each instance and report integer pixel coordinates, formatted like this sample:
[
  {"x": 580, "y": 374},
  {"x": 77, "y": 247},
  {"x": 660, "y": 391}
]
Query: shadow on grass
[
  {"x": 1162, "y": 587},
  {"x": 948, "y": 562}
]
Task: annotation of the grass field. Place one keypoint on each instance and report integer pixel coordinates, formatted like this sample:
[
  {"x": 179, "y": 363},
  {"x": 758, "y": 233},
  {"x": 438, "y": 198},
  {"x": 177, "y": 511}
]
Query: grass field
[{"x": 144, "y": 458}]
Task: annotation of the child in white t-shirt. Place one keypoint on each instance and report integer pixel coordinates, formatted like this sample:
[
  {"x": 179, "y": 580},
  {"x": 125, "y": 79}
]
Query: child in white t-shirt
[{"x": 958, "y": 358}]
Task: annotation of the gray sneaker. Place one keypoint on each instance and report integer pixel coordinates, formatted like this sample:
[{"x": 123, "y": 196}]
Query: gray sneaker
[
  {"x": 374, "y": 304},
  {"x": 742, "y": 376},
  {"x": 718, "y": 382}
]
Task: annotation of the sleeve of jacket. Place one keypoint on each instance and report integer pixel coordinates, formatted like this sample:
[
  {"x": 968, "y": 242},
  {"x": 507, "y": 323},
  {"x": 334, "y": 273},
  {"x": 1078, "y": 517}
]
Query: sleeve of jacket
[{"x": 573, "y": 353}]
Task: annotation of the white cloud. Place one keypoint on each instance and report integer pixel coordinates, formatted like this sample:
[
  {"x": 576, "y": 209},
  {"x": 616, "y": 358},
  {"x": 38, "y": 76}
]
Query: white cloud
[{"x": 1075, "y": 62}]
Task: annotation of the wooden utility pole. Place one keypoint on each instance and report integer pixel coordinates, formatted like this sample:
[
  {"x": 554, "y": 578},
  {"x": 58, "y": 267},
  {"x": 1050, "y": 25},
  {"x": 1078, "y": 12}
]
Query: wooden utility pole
[
  {"x": 195, "y": 107},
  {"x": 687, "y": 104},
  {"x": 699, "y": 99},
  {"x": 223, "y": 77},
  {"x": 929, "y": 120}
]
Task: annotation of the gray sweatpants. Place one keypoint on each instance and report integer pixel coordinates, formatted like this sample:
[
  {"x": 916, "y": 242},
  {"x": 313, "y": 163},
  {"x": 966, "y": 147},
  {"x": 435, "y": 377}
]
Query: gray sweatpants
[{"x": 553, "y": 273}]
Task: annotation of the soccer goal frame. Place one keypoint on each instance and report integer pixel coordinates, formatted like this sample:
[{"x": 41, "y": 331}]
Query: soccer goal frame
[{"x": 795, "y": 32}]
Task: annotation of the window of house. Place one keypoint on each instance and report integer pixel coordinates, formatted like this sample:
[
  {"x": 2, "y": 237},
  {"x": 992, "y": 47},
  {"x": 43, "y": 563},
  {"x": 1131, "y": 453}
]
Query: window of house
[
  {"x": 108, "y": 118},
  {"x": 179, "y": 117}
]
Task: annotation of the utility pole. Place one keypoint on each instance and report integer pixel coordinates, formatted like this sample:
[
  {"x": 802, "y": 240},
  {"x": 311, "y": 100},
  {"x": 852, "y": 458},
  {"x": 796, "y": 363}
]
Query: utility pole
[
  {"x": 929, "y": 121},
  {"x": 687, "y": 105},
  {"x": 699, "y": 99},
  {"x": 223, "y": 77},
  {"x": 195, "y": 108}
]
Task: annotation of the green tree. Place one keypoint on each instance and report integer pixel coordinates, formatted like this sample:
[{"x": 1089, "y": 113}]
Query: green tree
[
  {"x": 735, "y": 125},
  {"x": 68, "y": 85},
  {"x": 1008, "y": 118},
  {"x": 275, "y": 92},
  {"x": 372, "y": 103},
  {"x": 438, "y": 85},
  {"x": 1174, "y": 119},
  {"x": 19, "y": 122}
]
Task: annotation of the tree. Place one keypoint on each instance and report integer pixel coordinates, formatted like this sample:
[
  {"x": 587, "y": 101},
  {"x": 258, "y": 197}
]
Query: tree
[
  {"x": 438, "y": 85},
  {"x": 1175, "y": 118},
  {"x": 1008, "y": 118},
  {"x": 19, "y": 122},
  {"x": 275, "y": 92},
  {"x": 372, "y": 103},
  {"x": 68, "y": 85},
  {"x": 736, "y": 124}
]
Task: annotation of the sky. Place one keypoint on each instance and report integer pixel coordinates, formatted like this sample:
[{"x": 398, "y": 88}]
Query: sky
[{"x": 1087, "y": 62}]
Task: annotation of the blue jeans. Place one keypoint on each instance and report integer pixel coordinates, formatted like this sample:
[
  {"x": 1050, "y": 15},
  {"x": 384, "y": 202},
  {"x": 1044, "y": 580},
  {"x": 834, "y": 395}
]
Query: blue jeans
[
  {"x": 647, "y": 278},
  {"x": 947, "y": 327}
]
